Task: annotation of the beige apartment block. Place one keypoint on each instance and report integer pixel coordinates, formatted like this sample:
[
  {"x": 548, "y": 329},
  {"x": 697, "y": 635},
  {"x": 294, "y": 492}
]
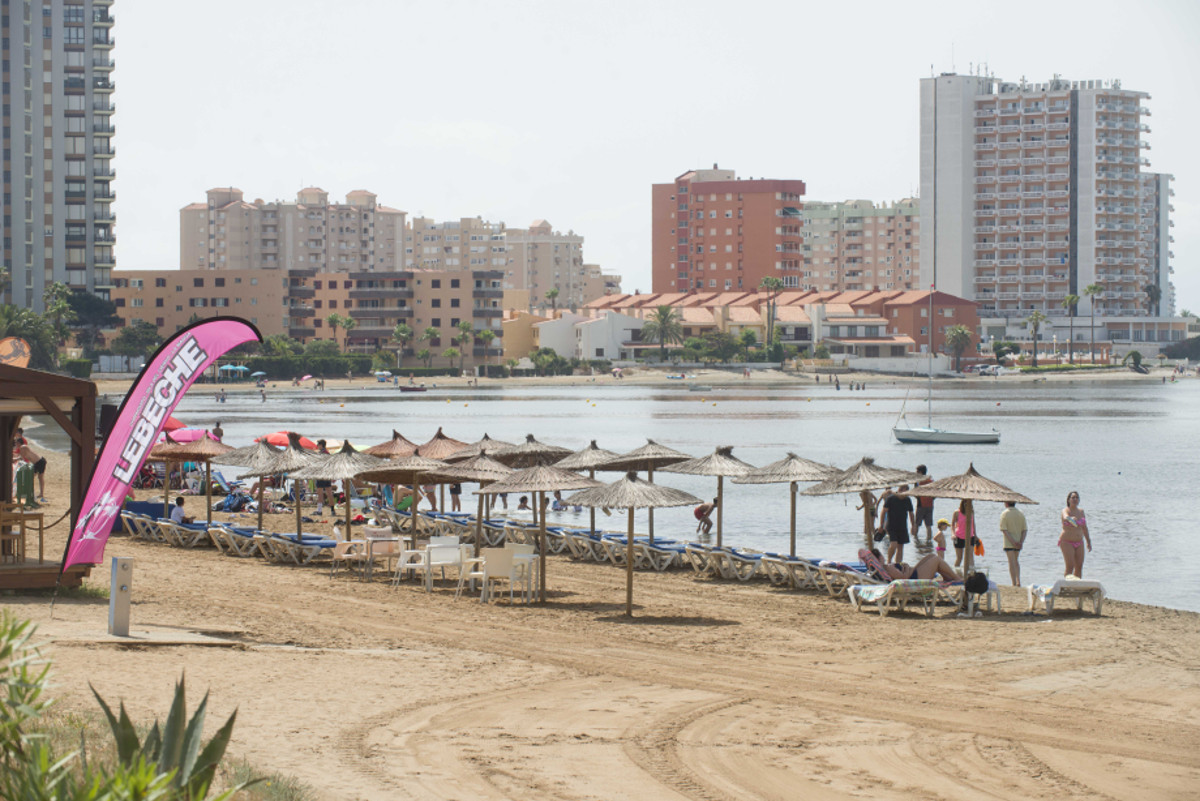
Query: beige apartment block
[
  {"x": 536, "y": 259},
  {"x": 170, "y": 299},
  {"x": 228, "y": 232},
  {"x": 857, "y": 244}
]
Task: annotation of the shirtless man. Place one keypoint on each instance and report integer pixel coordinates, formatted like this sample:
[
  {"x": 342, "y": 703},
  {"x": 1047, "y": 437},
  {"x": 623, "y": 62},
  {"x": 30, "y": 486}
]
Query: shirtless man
[
  {"x": 39, "y": 467},
  {"x": 703, "y": 513}
]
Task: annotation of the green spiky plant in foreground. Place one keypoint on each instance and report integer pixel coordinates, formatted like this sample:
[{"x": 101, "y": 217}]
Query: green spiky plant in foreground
[{"x": 171, "y": 764}]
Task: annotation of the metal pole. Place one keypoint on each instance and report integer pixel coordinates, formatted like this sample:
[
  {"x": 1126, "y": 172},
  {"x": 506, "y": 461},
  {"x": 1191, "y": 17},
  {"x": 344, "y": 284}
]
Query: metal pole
[{"x": 541, "y": 497}]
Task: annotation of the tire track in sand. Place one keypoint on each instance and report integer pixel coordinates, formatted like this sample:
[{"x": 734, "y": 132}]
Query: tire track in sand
[{"x": 656, "y": 751}]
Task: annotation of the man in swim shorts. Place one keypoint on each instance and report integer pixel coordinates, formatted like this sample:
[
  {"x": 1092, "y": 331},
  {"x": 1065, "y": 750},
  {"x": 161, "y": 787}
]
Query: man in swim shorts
[
  {"x": 703, "y": 513},
  {"x": 924, "y": 508},
  {"x": 39, "y": 467},
  {"x": 1012, "y": 524}
]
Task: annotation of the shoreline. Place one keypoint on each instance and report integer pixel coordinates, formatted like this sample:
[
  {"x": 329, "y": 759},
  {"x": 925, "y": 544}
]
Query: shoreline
[{"x": 657, "y": 377}]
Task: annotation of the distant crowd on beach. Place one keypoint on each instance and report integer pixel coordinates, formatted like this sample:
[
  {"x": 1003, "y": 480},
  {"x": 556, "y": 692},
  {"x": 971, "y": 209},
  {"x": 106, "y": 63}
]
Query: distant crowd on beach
[{"x": 900, "y": 521}]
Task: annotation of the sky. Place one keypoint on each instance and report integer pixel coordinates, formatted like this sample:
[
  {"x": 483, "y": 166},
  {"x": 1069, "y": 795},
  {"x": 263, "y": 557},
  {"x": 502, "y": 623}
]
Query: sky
[{"x": 570, "y": 111}]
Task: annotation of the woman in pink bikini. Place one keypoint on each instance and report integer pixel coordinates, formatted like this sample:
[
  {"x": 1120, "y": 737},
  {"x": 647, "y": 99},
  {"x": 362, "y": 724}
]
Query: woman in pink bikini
[{"x": 1074, "y": 535}]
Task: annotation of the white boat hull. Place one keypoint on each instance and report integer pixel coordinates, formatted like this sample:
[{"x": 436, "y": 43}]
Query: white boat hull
[{"x": 939, "y": 436}]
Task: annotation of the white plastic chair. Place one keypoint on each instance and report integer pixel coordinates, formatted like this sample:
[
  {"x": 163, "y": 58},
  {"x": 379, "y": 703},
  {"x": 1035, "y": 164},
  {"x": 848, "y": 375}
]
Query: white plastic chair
[
  {"x": 523, "y": 566},
  {"x": 497, "y": 566}
]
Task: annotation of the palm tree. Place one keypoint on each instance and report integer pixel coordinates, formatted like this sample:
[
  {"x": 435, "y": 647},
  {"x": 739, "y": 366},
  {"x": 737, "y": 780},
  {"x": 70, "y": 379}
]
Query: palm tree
[
  {"x": 402, "y": 334},
  {"x": 1153, "y": 296},
  {"x": 773, "y": 286},
  {"x": 465, "y": 331},
  {"x": 348, "y": 325},
  {"x": 425, "y": 356},
  {"x": 958, "y": 339},
  {"x": 663, "y": 327},
  {"x": 1035, "y": 321},
  {"x": 746, "y": 341},
  {"x": 58, "y": 313},
  {"x": 334, "y": 320},
  {"x": 485, "y": 336},
  {"x": 552, "y": 296},
  {"x": 1091, "y": 291},
  {"x": 453, "y": 353},
  {"x": 1070, "y": 302},
  {"x": 429, "y": 335},
  {"x": 5, "y": 283}
]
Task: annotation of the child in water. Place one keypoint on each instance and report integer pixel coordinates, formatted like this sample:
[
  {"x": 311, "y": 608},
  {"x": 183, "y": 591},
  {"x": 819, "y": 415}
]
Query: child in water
[{"x": 939, "y": 539}]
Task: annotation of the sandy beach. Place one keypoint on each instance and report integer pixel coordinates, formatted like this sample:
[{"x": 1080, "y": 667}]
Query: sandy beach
[
  {"x": 714, "y": 690},
  {"x": 654, "y": 376}
]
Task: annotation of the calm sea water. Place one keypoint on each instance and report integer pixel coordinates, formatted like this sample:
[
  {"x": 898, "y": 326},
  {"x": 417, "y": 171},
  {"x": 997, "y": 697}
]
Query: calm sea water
[{"x": 1129, "y": 448}]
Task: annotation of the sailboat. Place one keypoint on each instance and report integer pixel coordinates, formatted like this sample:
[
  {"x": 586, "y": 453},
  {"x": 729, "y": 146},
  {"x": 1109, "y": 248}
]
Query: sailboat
[{"x": 908, "y": 434}]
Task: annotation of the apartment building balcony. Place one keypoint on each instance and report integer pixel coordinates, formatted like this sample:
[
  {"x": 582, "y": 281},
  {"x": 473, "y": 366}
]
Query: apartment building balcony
[
  {"x": 1058, "y": 126},
  {"x": 103, "y": 172},
  {"x": 985, "y": 130},
  {"x": 1033, "y": 295},
  {"x": 104, "y": 197},
  {"x": 103, "y": 85},
  {"x": 985, "y": 277},
  {"x": 1034, "y": 261},
  {"x": 983, "y": 147},
  {"x": 1033, "y": 278},
  {"x": 99, "y": 107},
  {"x": 487, "y": 294},
  {"x": 101, "y": 40},
  {"x": 1031, "y": 228},
  {"x": 487, "y": 312},
  {"x": 381, "y": 293},
  {"x": 985, "y": 162},
  {"x": 302, "y": 272},
  {"x": 301, "y": 310},
  {"x": 985, "y": 245},
  {"x": 1009, "y": 196},
  {"x": 297, "y": 331},
  {"x": 302, "y": 292},
  {"x": 480, "y": 352},
  {"x": 1031, "y": 127},
  {"x": 1009, "y": 145},
  {"x": 1009, "y": 262},
  {"x": 985, "y": 212},
  {"x": 104, "y": 128},
  {"x": 983, "y": 180},
  {"x": 1009, "y": 162},
  {"x": 104, "y": 152},
  {"x": 103, "y": 215},
  {"x": 1032, "y": 194},
  {"x": 985, "y": 262},
  {"x": 1032, "y": 161},
  {"x": 984, "y": 112},
  {"x": 1033, "y": 244},
  {"x": 103, "y": 63},
  {"x": 1007, "y": 295},
  {"x": 1056, "y": 295},
  {"x": 1010, "y": 128},
  {"x": 383, "y": 312}
]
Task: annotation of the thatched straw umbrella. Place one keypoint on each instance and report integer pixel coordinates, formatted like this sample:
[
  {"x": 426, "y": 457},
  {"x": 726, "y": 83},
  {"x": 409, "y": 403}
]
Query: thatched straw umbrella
[
  {"x": 395, "y": 448},
  {"x": 288, "y": 460},
  {"x": 647, "y": 458},
  {"x": 164, "y": 452},
  {"x": 441, "y": 447},
  {"x": 968, "y": 487},
  {"x": 587, "y": 459},
  {"x": 719, "y": 463},
  {"x": 531, "y": 453},
  {"x": 341, "y": 466},
  {"x": 482, "y": 470},
  {"x": 492, "y": 446},
  {"x": 253, "y": 456},
  {"x": 632, "y": 493},
  {"x": 407, "y": 470},
  {"x": 204, "y": 450},
  {"x": 790, "y": 470},
  {"x": 862, "y": 478},
  {"x": 540, "y": 479}
]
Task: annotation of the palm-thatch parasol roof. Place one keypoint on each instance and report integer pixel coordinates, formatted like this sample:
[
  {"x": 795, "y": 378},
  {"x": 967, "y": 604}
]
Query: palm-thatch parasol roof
[
  {"x": 539, "y": 478},
  {"x": 531, "y": 453},
  {"x": 865, "y": 475},
  {"x": 589, "y": 458},
  {"x": 404, "y": 470},
  {"x": 492, "y": 446},
  {"x": 288, "y": 460},
  {"x": 719, "y": 463},
  {"x": 441, "y": 446},
  {"x": 204, "y": 450},
  {"x": 341, "y": 466},
  {"x": 630, "y": 492},
  {"x": 968, "y": 485},
  {"x": 477, "y": 468},
  {"x": 250, "y": 455},
  {"x": 791, "y": 468},
  {"x": 394, "y": 448},
  {"x": 649, "y": 457}
]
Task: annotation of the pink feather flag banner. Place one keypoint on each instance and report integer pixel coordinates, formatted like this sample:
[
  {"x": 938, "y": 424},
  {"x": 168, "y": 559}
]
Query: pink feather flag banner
[{"x": 157, "y": 391}]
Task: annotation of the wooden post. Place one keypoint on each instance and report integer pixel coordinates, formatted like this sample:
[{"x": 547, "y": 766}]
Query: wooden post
[{"x": 629, "y": 567}]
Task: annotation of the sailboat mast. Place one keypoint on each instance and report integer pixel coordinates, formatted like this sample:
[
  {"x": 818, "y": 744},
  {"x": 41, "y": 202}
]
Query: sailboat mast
[{"x": 929, "y": 394}]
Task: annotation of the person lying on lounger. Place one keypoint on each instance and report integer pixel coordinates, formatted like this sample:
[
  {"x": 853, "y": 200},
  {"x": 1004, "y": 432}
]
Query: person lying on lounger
[{"x": 930, "y": 566}]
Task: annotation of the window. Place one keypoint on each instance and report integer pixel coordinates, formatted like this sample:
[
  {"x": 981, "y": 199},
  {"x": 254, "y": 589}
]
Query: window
[
  {"x": 158, "y": 303},
  {"x": 316, "y": 304},
  {"x": 436, "y": 283},
  {"x": 436, "y": 322},
  {"x": 436, "y": 303},
  {"x": 197, "y": 282},
  {"x": 219, "y": 282},
  {"x": 347, "y": 285},
  {"x": 454, "y": 303},
  {"x": 158, "y": 321},
  {"x": 160, "y": 282},
  {"x": 454, "y": 285},
  {"x": 316, "y": 284},
  {"x": 333, "y": 304}
]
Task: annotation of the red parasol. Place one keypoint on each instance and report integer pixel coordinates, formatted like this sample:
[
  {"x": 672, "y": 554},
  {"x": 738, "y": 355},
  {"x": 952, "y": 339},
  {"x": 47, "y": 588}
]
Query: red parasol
[
  {"x": 172, "y": 424},
  {"x": 280, "y": 440}
]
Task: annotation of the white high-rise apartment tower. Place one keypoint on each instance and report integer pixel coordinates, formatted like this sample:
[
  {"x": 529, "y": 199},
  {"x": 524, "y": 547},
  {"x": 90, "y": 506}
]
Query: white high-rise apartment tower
[
  {"x": 1031, "y": 192},
  {"x": 56, "y": 205}
]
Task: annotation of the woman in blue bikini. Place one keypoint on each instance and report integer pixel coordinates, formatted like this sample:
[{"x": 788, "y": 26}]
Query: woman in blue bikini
[{"x": 1074, "y": 535}]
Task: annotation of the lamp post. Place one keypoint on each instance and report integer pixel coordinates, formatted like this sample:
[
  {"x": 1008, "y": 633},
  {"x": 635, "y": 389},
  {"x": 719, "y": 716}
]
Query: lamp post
[{"x": 1056, "y": 348}]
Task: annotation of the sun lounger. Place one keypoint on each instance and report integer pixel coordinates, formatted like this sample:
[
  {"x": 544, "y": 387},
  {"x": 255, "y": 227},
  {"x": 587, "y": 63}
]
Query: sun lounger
[
  {"x": 896, "y": 594},
  {"x": 300, "y": 550},
  {"x": 734, "y": 564},
  {"x": 795, "y": 572},
  {"x": 702, "y": 560},
  {"x": 1067, "y": 588},
  {"x": 658, "y": 555}
]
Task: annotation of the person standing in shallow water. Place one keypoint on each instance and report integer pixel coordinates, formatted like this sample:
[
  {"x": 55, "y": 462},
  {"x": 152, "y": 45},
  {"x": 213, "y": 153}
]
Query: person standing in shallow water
[{"x": 1074, "y": 535}]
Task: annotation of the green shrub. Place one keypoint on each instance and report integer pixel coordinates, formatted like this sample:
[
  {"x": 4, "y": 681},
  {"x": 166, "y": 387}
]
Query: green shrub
[{"x": 79, "y": 368}]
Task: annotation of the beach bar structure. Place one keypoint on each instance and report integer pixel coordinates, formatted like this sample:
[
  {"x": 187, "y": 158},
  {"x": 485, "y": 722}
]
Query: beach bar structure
[{"x": 71, "y": 403}]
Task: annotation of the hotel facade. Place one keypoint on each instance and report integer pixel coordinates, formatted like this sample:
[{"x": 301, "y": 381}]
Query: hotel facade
[{"x": 1031, "y": 192}]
